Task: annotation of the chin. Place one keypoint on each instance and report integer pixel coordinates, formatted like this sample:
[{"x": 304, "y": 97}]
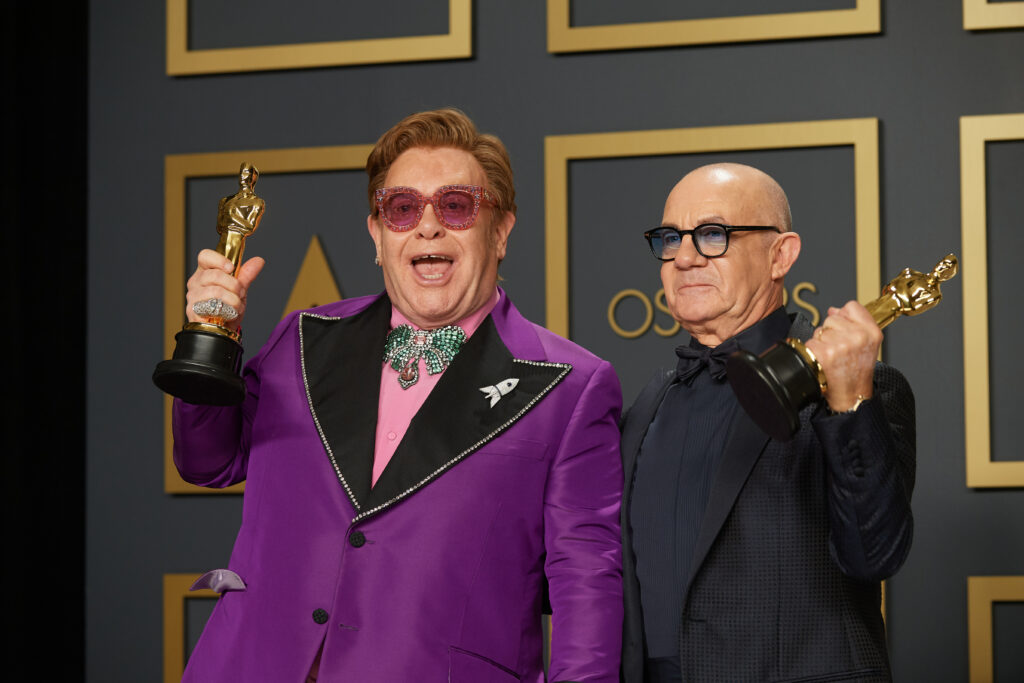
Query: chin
[
  {"x": 432, "y": 314},
  {"x": 695, "y": 317},
  {"x": 690, "y": 311}
]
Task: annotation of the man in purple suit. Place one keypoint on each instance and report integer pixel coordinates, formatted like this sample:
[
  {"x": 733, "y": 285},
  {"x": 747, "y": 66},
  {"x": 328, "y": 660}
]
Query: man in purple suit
[{"x": 424, "y": 469}]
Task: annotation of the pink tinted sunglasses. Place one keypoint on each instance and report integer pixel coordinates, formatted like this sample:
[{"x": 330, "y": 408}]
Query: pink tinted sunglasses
[{"x": 456, "y": 206}]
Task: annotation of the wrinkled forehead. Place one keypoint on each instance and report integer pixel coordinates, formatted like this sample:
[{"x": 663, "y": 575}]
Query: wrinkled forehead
[{"x": 428, "y": 168}]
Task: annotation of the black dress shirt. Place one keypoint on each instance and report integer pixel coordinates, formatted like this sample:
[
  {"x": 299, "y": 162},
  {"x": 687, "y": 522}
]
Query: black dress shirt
[{"x": 675, "y": 471}]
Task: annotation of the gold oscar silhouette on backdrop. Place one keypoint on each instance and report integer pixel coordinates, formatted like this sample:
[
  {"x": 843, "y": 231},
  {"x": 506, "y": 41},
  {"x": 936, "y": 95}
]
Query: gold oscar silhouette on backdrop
[
  {"x": 774, "y": 386},
  {"x": 207, "y": 357}
]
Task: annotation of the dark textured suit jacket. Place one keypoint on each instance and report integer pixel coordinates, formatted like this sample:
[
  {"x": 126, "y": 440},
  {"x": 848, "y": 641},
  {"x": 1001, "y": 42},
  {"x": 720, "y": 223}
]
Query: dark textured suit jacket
[{"x": 785, "y": 584}]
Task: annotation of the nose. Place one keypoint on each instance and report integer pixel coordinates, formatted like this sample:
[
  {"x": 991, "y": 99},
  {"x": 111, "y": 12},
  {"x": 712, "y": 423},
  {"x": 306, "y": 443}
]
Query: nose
[
  {"x": 687, "y": 256},
  {"x": 429, "y": 227}
]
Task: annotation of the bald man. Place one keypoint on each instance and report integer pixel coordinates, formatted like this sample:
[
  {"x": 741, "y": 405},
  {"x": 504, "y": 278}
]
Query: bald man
[{"x": 748, "y": 559}]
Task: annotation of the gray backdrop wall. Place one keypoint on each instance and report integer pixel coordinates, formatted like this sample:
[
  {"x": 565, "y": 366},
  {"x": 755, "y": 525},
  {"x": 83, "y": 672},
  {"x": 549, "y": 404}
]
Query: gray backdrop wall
[{"x": 909, "y": 84}]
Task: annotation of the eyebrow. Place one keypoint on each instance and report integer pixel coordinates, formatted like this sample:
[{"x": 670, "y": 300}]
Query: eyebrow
[{"x": 702, "y": 221}]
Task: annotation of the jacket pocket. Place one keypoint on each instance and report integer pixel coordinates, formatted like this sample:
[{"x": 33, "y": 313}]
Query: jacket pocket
[
  {"x": 468, "y": 667},
  {"x": 219, "y": 580},
  {"x": 517, "y": 448}
]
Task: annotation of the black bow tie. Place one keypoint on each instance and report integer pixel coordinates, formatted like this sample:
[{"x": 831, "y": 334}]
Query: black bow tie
[{"x": 692, "y": 361}]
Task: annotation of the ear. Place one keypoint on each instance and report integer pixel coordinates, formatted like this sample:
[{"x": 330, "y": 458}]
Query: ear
[
  {"x": 373, "y": 226},
  {"x": 784, "y": 254},
  {"x": 502, "y": 228}
]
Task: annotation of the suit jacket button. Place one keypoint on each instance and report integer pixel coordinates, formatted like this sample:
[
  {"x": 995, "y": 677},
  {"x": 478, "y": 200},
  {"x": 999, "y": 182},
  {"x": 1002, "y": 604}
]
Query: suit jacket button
[
  {"x": 320, "y": 616},
  {"x": 357, "y": 539}
]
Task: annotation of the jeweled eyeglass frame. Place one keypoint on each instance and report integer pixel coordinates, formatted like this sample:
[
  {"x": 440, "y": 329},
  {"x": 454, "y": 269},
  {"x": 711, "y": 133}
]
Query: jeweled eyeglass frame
[{"x": 476, "y": 192}]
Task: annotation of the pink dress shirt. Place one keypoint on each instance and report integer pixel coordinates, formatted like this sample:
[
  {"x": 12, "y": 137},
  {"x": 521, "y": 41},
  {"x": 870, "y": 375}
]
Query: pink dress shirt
[{"x": 397, "y": 406}]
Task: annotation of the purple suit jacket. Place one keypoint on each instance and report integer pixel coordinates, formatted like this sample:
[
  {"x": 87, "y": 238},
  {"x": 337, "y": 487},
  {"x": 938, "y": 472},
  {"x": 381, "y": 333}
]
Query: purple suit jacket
[{"x": 439, "y": 571}]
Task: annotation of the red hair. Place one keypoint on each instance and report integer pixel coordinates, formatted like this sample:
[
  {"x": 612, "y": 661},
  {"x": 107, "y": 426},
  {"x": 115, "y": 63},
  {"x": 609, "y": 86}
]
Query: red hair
[{"x": 443, "y": 128}]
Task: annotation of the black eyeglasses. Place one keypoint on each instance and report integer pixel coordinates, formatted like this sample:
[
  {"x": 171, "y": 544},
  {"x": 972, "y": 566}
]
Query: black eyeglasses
[{"x": 710, "y": 239}]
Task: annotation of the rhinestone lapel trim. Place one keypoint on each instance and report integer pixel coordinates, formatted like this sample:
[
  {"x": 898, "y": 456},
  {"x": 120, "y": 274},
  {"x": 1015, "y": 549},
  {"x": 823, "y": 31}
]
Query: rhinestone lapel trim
[{"x": 312, "y": 410}]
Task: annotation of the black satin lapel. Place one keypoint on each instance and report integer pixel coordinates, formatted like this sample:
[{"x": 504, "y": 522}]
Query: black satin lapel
[
  {"x": 457, "y": 418},
  {"x": 341, "y": 365},
  {"x": 744, "y": 447},
  {"x": 638, "y": 420}
]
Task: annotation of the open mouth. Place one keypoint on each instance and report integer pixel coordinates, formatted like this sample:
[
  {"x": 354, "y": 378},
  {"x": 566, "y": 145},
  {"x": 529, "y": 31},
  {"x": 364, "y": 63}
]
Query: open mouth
[{"x": 431, "y": 266}]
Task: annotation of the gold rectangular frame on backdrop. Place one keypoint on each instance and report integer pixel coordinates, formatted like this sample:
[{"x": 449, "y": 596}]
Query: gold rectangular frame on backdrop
[
  {"x": 975, "y": 132},
  {"x": 981, "y": 14},
  {"x": 865, "y": 17},
  {"x": 559, "y": 150},
  {"x": 982, "y": 593},
  {"x": 181, "y": 61},
  {"x": 176, "y": 592},
  {"x": 178, "y": 169}
]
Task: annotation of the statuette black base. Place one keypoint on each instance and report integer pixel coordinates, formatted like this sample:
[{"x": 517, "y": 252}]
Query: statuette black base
[
  {"x": 773, "y": 388},
  {"x": 204, "y": 369}
]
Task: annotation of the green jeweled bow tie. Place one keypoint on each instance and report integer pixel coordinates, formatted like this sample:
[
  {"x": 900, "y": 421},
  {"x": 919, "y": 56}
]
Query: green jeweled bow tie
[{"x": 406, "y": 345}]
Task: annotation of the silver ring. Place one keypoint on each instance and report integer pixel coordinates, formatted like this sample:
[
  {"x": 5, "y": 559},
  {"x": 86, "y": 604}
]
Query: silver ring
[{"x": 214, "y": 308}]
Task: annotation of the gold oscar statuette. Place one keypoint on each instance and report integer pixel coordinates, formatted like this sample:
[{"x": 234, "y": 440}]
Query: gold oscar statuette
[
  {"x": 207, "y": 356},
  {"x": 775, "y": 386}
]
